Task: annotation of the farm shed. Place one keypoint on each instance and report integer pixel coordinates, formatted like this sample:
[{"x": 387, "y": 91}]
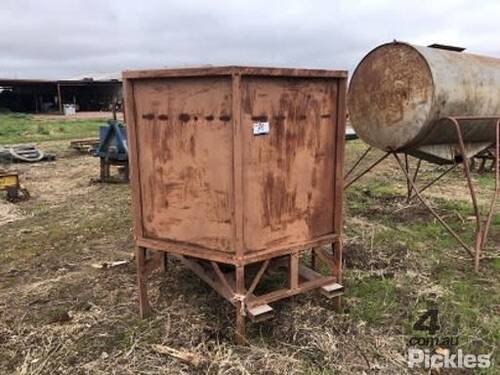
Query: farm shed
[{"x": 42, "y": 96}]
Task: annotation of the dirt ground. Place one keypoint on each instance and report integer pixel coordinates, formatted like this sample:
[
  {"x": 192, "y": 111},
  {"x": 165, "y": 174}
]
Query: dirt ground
[{"x": 59, "y": 314}]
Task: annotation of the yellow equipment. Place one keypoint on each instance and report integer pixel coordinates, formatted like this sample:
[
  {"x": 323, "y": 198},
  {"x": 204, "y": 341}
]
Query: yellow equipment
[{"x": 9, "y": 182}]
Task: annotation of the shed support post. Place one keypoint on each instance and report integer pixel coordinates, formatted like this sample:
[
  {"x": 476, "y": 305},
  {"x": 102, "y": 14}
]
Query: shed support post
[
  {"x": 59, "y": 98},
  {"x": 142, "y": 276},
  {"x": 240, "y": 305}
]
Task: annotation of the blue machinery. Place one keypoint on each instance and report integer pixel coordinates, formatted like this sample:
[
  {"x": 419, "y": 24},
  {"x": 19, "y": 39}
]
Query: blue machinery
[{"x": 113, "y": 150}]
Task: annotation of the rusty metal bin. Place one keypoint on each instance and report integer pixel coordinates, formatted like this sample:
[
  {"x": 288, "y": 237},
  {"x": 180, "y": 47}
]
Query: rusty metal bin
[{"x": 238, "y": 166}]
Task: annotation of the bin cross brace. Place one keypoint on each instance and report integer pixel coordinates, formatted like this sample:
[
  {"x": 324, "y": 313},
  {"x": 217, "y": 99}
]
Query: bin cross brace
[{"x": 231, "y": 285}]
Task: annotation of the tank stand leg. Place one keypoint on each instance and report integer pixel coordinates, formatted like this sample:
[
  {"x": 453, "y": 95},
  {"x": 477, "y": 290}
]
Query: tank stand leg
[
  {"x": 481, "y": 241},
  {"x": 240, "y": 306},
  {"x": 477, "y": 212},
  {"x": 337, "y": 271},
  {"x": 144, "y": 306},
  {"x": 429, "y": 207},
  {"x": 409, "y": 186},
  {"x": 357, "y": 162},
  {"x": 482, "y": 167},
  {"x": 435, "y": 180},
  {"x": 368, "y": 169}
]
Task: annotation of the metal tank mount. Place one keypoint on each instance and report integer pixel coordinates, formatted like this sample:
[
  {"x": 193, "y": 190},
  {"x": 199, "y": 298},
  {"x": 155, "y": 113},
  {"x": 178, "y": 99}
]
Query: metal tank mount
[{"x": 435, "y": 104}]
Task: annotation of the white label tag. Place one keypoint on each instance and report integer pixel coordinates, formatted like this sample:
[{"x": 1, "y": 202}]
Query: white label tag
[{"x": 260, "y": 128}]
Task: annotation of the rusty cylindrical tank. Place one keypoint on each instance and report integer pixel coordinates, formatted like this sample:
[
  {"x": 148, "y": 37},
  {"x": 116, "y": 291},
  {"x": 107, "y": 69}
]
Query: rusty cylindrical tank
[{"x": 399, "y": 91}]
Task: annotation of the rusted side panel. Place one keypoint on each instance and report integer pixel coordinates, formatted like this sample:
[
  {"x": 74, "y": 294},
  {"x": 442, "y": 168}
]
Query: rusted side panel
[
  {"x": 288, "y": 174},
  {"x": 184, "y": 136},
  {"x": 204, "y": 183}
]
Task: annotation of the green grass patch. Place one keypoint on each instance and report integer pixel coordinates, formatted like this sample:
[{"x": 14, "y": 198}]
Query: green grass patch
[
  {"x": 495, "y": 264},
  {"x": 465, "y": 300},
  {"x": 21, "y": 127},
  {"x": 377, "y": 300},
  {"x": 361, "y": 198},
  {"x": 486, "y": 180}
]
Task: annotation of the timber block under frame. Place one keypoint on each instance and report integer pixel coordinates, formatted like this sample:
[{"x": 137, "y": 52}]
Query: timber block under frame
[{"x": 239, "y": 284}]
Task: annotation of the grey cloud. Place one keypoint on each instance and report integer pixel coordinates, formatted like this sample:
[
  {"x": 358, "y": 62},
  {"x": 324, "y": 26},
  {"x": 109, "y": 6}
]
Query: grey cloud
[{"x": 54, "y": 39}]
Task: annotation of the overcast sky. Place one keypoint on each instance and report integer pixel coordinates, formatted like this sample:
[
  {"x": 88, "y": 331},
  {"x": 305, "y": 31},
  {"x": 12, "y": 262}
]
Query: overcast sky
[{"x": 61, "y": 39}]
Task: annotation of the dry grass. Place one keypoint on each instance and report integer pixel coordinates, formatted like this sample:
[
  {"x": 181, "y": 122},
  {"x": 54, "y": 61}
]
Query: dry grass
[
  {"x": 59, "y": 315},
  {"x": 9, "y": 213}
]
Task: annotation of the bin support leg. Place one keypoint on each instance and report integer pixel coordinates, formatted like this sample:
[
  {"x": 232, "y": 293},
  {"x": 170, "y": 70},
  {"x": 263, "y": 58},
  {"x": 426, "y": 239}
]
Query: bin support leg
[
  {"x": 144, "y": 307},
  {"x": 164, "y": 261},
  {"x": 337, "y": 271},
  {"x": 314, "y": 262},
  {"x": 240, "y": 305}
]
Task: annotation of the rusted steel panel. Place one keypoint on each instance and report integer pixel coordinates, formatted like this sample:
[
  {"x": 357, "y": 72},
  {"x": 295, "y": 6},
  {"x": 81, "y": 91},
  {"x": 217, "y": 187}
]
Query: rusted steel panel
[
  {"x": 185, "y": 151},
  {"x": 399, "y": 91},
  {"x": 200, "y": 165},
  {"x": 288, "y": 176}
]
